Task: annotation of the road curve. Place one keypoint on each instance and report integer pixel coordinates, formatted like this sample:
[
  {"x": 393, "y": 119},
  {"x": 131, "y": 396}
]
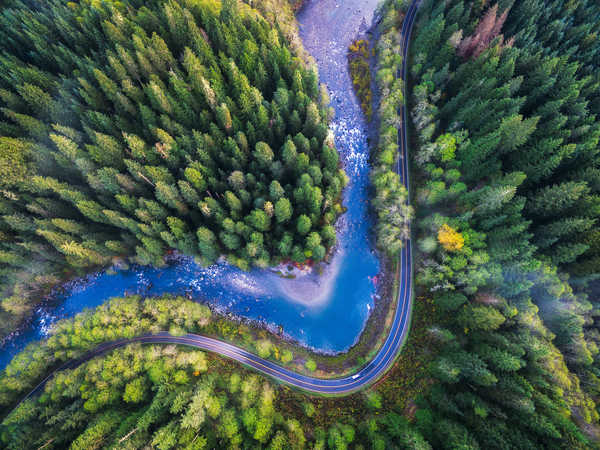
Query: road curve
[{"x": 338, "y": 386}]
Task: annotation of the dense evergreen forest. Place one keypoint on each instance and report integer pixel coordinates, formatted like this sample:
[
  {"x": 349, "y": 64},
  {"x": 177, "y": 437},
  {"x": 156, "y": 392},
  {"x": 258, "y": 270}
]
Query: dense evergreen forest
[
  {"x": 504, "y": 107},
  {"x": 504, "y": 104},
  {"x": 130, "y": 129}
]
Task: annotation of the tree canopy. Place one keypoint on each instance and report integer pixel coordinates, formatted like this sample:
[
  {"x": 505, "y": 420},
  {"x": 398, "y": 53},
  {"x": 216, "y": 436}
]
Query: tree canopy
[{"x": 130, "y": 129}]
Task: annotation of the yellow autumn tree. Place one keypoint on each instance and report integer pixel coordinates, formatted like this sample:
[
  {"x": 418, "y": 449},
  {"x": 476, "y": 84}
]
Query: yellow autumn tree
[{"x": 450, "y": 239}]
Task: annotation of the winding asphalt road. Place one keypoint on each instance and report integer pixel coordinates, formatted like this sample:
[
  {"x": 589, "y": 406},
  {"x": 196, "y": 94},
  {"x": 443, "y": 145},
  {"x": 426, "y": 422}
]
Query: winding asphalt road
[{"x": 339, "y": 386}]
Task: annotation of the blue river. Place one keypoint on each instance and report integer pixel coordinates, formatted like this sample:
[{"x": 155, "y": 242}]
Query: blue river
[{"x": 325, "y": 311}]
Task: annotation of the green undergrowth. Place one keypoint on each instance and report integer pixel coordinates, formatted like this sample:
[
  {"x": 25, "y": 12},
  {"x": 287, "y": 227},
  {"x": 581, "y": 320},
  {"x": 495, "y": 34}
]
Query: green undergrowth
[{"x": 409, "y": 378}]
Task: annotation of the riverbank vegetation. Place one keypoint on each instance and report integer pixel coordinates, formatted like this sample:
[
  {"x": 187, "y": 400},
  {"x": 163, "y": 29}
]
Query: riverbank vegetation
[
  {"x": 390, "y": 197},
  {"x": 359, "y": 63},
  {"x": 505, "y": 145},
  {"x": 134, "y": 129}
]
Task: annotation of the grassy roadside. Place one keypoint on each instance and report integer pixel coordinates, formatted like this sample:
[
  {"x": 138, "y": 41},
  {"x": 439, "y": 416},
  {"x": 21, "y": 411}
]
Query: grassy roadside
[{"x": 397, "y": 391}]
